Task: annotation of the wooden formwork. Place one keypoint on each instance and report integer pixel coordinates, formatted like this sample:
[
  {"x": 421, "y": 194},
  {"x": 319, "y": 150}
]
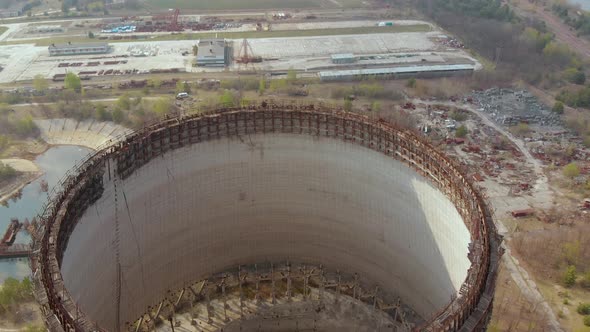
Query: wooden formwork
[{"x": 470, "y": 311}]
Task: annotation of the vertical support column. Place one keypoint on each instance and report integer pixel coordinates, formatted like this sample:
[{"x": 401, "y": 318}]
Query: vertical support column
[
  {"x": 321, "y": 287},
  {"x": 208, "y": 305},
  {"x": 272, "y": 284},
  {"x": 223, "y": 280},
  {"x": 355, "y": 286},
  {"x": 289, "y": 293},
  {"x": 257, "y": 278},
  {"x": 240, "y": 281}
]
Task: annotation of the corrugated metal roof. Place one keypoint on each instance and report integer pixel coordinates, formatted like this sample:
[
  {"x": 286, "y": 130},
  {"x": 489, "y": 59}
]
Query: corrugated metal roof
[
  {"x": 342, "y": 56},
  {"x": 394, "y": 70},
  {"x": 70, "y": 46}
]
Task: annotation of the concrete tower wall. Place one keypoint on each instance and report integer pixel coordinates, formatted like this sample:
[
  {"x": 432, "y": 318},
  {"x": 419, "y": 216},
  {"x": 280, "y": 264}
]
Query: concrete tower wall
[{"x": 207, "y": 207}]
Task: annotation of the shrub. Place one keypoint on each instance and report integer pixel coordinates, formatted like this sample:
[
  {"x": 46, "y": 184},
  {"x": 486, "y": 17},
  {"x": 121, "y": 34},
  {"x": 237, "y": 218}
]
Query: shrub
[
  {"x": 569, "y": 277},
  {"x": 458, "y": 116},
  {"x": 586, "y": 280},
  {"x": 461, "y": 131},
  {"x": 6, "y": 172},
  {"x": 558, "y": 107},
  {"x": 347, "y": 105},
  {"x": 583, "y": 309},
  {"x": 587, "y": 320},
  {"x": 571, "y": 170}
]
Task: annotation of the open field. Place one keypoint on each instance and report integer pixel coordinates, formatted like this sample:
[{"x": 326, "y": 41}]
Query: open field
[
  {"x": 239, "y": 35},
  {"x": 252, "y": 4}
]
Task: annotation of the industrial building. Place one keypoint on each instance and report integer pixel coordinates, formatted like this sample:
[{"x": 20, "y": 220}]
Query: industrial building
[
  {"x": 47, "y": 29},
  {"x": 9, "y": 13},
  {"x": 78, "y": 49},
  {"x": 343, "y": 58},
  {"x": 212, "y": 53},
  {"x": 293, "y": 205},
  {"x": 397, "y": 72}
]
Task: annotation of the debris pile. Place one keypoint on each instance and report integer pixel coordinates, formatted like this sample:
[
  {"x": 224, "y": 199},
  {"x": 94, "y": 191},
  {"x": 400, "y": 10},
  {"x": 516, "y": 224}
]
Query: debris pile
[{"x": 509, "y": 107}]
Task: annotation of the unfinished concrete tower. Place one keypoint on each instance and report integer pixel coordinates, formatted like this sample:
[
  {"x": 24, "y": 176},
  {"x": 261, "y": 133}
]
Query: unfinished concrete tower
[{"x": 270, "y": 218}]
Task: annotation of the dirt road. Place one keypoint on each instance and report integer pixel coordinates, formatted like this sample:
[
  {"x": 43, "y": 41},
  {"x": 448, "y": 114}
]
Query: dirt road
[{"x": 542, "y": 195}]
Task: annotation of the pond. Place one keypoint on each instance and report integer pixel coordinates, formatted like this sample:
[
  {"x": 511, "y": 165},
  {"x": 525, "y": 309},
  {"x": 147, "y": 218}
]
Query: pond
[{"x": 54, "y": 163}]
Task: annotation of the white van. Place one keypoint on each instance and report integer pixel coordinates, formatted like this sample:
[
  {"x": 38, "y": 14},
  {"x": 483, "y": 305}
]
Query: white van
[{"x": 182, "y": 95}]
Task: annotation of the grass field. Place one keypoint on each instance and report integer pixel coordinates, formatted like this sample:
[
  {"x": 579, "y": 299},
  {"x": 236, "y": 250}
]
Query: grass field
[
  {"x": 251, "y": 4},
  {"x": 238, "y": 35},
  {"x": 3, "y": 30}
]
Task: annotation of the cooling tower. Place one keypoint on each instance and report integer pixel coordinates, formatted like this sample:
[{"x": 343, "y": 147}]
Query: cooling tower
[{"x": 266, "y": 208}]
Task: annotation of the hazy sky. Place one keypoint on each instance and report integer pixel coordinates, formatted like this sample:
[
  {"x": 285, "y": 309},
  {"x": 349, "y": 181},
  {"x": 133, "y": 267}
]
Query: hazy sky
[{"x": 585, "y": 3}]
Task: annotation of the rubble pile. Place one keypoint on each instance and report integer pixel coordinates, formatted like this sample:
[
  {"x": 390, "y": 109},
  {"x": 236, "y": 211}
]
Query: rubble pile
[{"x": 510, "y": 107}]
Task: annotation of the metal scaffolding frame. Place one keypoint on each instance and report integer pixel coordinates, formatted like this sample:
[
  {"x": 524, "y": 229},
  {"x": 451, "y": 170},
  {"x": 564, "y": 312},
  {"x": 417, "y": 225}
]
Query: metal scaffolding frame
[{"x": 81, "y": 187}]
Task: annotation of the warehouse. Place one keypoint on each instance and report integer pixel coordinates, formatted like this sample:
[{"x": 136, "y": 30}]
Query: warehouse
[
  {"x": 78, "y": 49},
  {"x": 397, "y": 72},
  {"x": 212, "y": 53},
  {"x": 343, "y": 58}
]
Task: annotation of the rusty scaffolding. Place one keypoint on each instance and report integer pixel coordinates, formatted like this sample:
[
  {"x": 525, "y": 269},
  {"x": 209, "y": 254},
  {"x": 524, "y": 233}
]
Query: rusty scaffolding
[{"x": 470, "y": 311}]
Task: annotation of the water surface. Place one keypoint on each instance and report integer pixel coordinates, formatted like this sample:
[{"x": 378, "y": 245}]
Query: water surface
[{"x": 54, "y": 163}]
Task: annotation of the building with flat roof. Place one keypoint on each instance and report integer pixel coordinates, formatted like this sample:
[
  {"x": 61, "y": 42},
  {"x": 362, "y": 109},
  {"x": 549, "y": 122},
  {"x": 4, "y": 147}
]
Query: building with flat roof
[
  {"x": 9, "y": 13},
  {"x": 397, "y": 72},
  {"x": 78, "y": 49},
  {"x": 212, "y": 53},
  {"x": 343, "y": 58}
]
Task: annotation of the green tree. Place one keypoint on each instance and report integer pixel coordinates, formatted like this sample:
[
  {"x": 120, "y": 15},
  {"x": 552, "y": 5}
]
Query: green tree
[
  {"x": 25, "y": 126},
  {"x": 575, "y": 76},
  {"x": 195, "y": 50},
  {"x": 90, "y": 34},
  {"x": 226, "y": 99},
  {"x": 124, "y": 102},
  {"x": 375, "y": 106},
  {"x": 569, "y": 277},
  {"x": 571, "y": 170},
  {"x": 155, "y": 83},
  {"x": 411, "y": 83},
  {"x": 558, "y": 107},
  {"x": 557, "y": 53},
  {"x": 183, "y": 87},
  {"x": 587, "y": 320},
  {"x": 162, "y": 106},
  {"x": 73, "y": 82},
  {"x": 347, "y": 105},
  {"x": 278, "y": 84},
  {"x": 26, "y": 288},
  {"x": 40, "y": 83},
  {"x": 118, "y": 116},
  {"x": 461, "y": 131},
  {"x": 583, "y": 309},
  {"x": 101, "y": 114},
  {"x": 261, "y": 86},
  {"x": 291, "y": 76}
]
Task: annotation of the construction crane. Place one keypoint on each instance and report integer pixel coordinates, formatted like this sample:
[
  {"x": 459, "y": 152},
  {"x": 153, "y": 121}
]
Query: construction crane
[
  {"x": 246, "y": 55},
  {"x": 170, "y": 19}
]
